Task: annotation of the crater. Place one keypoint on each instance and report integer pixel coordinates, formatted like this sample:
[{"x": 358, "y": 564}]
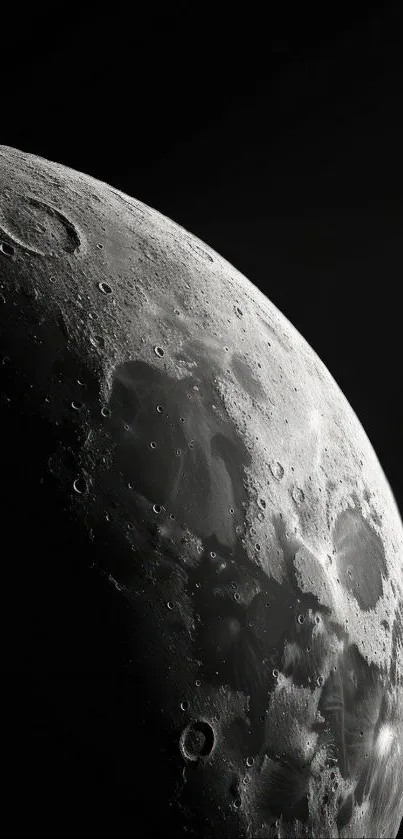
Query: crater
[
  {"x": 194, "y": 246},
  {"x": 197, "y": 740},
  {"x": 37, "y": 227}
]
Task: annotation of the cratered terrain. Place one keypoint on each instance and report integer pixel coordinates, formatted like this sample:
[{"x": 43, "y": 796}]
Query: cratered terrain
[{"x": 202, "y": 558}]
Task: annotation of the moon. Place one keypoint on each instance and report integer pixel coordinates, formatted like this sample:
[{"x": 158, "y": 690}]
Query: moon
[{"x": 203, "y": 589}]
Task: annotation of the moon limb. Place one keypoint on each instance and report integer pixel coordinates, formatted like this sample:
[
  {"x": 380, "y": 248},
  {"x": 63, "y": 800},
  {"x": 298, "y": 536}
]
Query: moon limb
[{"x": 295, "y": 581}]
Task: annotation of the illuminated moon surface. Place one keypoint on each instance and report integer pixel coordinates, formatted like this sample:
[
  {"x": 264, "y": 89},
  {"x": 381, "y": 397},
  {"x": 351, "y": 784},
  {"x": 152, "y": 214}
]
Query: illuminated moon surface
[{"x": 175, "y": 451}]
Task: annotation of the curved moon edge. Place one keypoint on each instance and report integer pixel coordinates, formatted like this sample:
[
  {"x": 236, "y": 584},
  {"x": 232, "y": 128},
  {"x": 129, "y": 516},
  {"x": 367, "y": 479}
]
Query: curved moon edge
[{"x": 228, "y": 497}]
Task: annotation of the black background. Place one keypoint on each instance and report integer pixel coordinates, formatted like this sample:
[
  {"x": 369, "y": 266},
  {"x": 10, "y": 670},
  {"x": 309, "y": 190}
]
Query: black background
[{"x": 274, "y": 134}]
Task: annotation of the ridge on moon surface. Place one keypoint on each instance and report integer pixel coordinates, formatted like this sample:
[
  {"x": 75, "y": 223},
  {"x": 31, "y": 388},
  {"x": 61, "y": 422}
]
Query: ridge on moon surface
[{"x": 207, "y": 568}]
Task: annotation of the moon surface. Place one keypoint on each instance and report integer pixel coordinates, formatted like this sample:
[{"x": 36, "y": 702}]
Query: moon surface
[{"x": 205, "y": 586}]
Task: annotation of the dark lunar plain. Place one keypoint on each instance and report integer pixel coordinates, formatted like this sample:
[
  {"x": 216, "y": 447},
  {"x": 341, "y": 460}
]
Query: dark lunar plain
[{"x": 275, "y": 140}]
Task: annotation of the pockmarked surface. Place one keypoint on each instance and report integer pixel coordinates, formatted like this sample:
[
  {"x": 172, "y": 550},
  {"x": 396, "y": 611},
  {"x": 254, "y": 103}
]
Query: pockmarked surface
[{"x": 206, "y": 473}]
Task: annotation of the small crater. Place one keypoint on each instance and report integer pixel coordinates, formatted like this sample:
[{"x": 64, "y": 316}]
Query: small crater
[
  {"x": 298, "y": 495},
  {"x": 197, "y": 249},
  {"x": 80, "y": 486},
  {"x": 277, "y": 470},
  {"x": 104, "y": 287},
  {"x": 7, "y": 250},
  {"x": 98, "y": 341}
]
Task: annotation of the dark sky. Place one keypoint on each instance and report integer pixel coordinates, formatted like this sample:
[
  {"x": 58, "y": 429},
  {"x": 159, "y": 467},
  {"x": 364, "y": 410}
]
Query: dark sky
[{"x": 276, "y": 136}]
